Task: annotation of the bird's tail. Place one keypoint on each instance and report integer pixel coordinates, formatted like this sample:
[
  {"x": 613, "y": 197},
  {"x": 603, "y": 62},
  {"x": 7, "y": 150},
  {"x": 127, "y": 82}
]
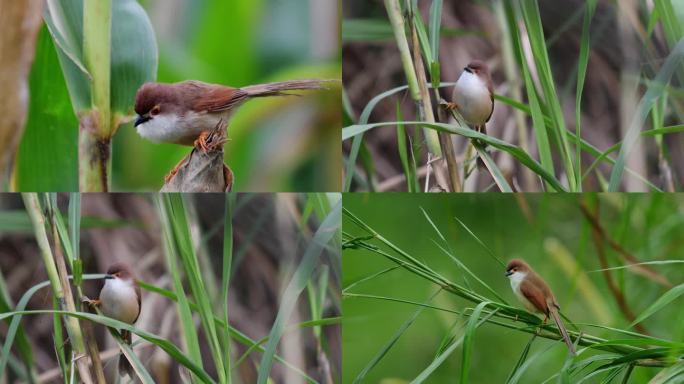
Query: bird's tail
[
  {"x": 125, "y": 367},
  {"x": 556, "y": 318},
  {"x": 281, "y": 88}
]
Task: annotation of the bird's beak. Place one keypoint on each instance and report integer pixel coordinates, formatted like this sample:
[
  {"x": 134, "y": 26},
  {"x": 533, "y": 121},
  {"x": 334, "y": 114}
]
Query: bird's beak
[
  {"x": 508, "y": 273},
  {"x": 467, "y": 69},
  {"x": 141, "y": 120},
  {"x": 109, "y": 276}
]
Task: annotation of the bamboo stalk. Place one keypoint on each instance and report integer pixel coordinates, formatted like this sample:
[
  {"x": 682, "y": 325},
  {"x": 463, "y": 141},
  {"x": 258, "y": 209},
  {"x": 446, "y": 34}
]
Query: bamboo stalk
[
  {"x": 59, "y": 282},
  {"x": 446, "y": 145},
  {"x": 86, "y": 327},
  {"x": 397, "y": 21},
  {"x": 96, "y": 125}
]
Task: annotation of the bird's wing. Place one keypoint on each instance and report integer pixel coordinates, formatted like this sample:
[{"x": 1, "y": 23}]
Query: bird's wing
[
  {"x": 218, "y": 98},
  {"x": 138, "y": 293},
  {"x": 534, "y": 295},
  {"x": 490, "y": 86}
]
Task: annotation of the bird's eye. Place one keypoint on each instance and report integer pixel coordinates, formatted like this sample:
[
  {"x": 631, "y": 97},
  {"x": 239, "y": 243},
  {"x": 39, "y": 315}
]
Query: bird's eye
[{"x": 155, "y": 111}]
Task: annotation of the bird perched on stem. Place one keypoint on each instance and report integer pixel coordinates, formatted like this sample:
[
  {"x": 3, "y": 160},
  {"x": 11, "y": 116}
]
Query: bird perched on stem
[
  {"x": 186, "y": 112},
  {"x": 120, "y": 300},
  {"x": 535, "y": 295}
]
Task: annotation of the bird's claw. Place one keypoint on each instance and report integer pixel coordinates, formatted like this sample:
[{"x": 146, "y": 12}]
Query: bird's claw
[{"x": 201, "y": 142}]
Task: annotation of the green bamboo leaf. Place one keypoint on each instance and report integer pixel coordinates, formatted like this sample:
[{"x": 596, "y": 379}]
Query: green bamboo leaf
[{"x": 662, "y": 301}]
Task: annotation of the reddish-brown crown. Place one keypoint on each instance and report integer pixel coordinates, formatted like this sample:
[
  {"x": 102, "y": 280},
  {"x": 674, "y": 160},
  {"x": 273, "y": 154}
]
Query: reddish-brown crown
[
  {"x": 120, "y": 270},
  {"x": 517, "y": 265}
]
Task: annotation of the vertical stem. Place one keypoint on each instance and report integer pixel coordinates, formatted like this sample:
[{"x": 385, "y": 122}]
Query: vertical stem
[
  {"x": 96, "y": 126},
  {"x": 227, "y": 269},
  {"x": 397, "y": 21},
  {"x": 56, "y": 271}
]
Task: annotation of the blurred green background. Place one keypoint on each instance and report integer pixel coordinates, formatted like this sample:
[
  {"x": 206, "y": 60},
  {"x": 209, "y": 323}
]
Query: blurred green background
[
  {"x": 549, "y": 231},
  {"x": 276, "y": 144}
]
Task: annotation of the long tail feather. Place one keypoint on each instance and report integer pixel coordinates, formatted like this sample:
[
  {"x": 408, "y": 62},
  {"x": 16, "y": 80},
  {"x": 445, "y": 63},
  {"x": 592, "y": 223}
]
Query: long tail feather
[
  {"x": 281, "y": 88},
  {"x": 563, "y": 331}
]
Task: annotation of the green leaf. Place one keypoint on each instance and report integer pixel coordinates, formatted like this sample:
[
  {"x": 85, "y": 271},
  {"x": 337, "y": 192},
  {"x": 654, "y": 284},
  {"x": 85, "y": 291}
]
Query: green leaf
[
  {"x": 47, "y": 156},
  {"x": 654, "y": 91},
  {"x": 164, "y": 344},
  {"x": 468, "y": 342},
  {"x": 662, "y": 301},
  {"x": 513, "y": 150},
  {"x": 133, "y": 51},
  {"x": 325, "y": 233}
]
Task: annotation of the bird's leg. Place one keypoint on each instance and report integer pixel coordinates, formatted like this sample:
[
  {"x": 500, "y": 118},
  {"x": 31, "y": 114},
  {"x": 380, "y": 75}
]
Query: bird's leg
[
  {"x": 201, "y": 141},
  {"x": 450, "y": 106},
  {"x": 91, "y": 302}
]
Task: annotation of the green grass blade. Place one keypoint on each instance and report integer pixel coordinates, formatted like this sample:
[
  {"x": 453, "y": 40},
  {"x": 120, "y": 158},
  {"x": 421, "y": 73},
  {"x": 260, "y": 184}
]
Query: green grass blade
[
  {"x": 518, "y": 368},
  {"x": 498, "y": 177},
  {"x": 390, "y": 343},
  {"x": 468, "y": 341},
  {"x": 225, "y": 283},
  {"x": 409, "y": 170},
  {"x": 325, "y": 233},
  {"x": 515, "y": 151},
  {"x": 175, "y": 209},
  {"x": 164, "y": 344},
  {"x": 435, "y": 26},
  {"x": 533, "y": 24},
  {"x": 583, "y": 60},
  {"x": 654, "y": 91},
  {"x": 189, "y": 333},
  {"x": 662, "y": 301}
]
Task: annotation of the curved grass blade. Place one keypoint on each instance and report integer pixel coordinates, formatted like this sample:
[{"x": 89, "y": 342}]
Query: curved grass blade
[
  {"x": 390, "y": 343},
  {"x": 511, "y": 149},
  {"x": 325, "y": 233},
  {"x": 654, "y": 91},
  {"x": 162, "y": 343},
  {"x": 662, "y": 301},
  {"x": 498, "y": 177},
  {"x": 468, "y": 341}
]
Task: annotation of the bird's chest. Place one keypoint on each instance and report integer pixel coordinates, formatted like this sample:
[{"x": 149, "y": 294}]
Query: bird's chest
[
  {"x": 119, "y": 301},
  {"x": 472, "y": 97}
]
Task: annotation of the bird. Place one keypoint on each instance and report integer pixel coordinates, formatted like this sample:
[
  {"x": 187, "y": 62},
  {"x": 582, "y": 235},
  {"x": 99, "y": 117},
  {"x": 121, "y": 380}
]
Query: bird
[
  {"x": 535, "y": 295},
  {"x": 120, "y": 299},
  {"x": 186, "y": 112},
  {"x": 473, "y": 95}
]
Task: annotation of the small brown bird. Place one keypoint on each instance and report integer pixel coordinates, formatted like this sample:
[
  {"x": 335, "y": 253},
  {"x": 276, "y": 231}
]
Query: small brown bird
[
  {"x": 186, "y": 112},
  {"x": 535, "y": 295},
  {"x": 473, "y": 95},
  {"x": 120, "y": 300}
]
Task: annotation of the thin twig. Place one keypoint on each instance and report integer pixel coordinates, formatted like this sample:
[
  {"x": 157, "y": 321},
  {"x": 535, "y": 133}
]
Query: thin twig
[
  {"x": 598, "y": 238},
  {"x": 642, "y": 270}
]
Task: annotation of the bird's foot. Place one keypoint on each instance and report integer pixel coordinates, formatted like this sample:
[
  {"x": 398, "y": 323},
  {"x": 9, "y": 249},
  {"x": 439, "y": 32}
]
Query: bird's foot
[
  {"x": 91, "y": 302},
  {"x": 201, "y": 142},
  {"x": 450, "y": 106}
]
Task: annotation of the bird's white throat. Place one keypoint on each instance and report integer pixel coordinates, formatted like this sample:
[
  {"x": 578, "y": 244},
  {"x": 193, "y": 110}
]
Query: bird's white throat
[{"x": 516, "y": 279}]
